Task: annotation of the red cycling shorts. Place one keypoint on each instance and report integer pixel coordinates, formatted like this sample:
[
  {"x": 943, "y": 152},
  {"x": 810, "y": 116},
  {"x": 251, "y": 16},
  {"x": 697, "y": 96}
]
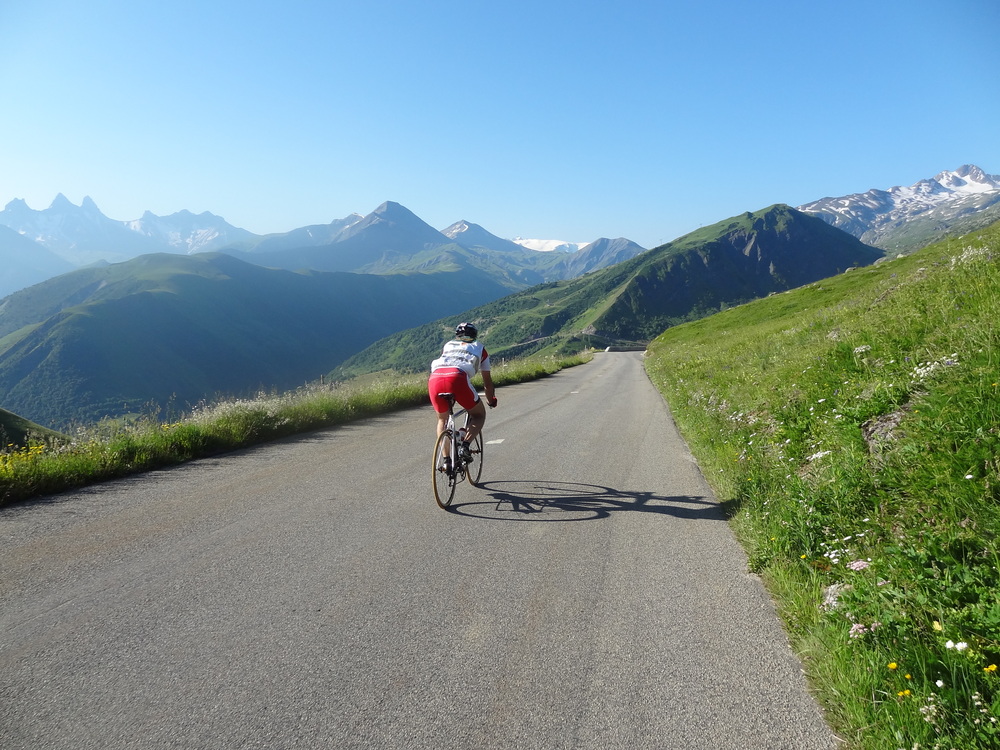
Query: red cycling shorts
[{"x": 451, "y": 380}]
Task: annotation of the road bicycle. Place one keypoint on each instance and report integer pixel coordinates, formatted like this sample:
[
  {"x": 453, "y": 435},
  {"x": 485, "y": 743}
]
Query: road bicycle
[{"x": 450, "y": 468}]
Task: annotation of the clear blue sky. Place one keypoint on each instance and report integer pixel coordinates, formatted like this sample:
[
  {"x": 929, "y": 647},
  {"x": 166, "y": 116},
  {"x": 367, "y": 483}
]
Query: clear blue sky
[{"x": 545, "y": 119}]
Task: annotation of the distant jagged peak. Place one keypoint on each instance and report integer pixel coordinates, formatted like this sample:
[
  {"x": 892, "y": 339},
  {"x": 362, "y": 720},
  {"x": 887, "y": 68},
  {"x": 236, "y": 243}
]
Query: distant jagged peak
[
  {"x": 392, "y": 211},
  {"x": 392, "y": 219},
  {"x": 602, "y": 244},
  {"x": 18, "y": 205},
  {"x": 89, "y": 206},
  {"x": 968, "y": 179},
  {"x": 459, "y": 227},
  {"x": 61, "y": 203}
]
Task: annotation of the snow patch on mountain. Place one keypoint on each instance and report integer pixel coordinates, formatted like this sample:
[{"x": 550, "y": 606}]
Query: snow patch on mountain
[
  {"x": 550, "y": 246},
  {"x": 948, "y": 194}
]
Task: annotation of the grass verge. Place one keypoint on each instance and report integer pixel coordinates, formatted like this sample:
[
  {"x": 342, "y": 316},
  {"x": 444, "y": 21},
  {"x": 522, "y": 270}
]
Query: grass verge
[
  {"x": 852, "y": 428},
  {"x": 111, "y": 449}
]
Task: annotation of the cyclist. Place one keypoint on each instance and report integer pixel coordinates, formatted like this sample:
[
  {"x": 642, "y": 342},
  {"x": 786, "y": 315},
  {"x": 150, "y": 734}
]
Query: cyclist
[{"x": 452, "y": 372}]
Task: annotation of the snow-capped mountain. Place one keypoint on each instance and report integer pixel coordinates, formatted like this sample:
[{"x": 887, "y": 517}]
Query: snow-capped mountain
[
  {"x": 550, "y": 246},
  {"x": 82, "y": 235},
  {"x": 471, "y": 235},
  {"x": 188, "y": 233},
  {"x": 878, "y": 217},
  {"x": 78, "y": 234}
]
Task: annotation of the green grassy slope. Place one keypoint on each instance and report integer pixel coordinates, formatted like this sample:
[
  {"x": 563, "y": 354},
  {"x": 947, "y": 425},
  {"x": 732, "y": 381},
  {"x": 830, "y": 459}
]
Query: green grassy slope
[{"x": 852, "y": 427}]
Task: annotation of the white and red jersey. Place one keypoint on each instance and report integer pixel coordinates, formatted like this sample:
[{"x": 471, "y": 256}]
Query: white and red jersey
[{"x": 469, "y": 356}]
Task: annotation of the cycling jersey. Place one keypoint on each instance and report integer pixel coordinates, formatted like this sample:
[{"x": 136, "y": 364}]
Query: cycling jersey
[
  {"x": 452, "y": 372},
  {"x": 470, "y": 357}
]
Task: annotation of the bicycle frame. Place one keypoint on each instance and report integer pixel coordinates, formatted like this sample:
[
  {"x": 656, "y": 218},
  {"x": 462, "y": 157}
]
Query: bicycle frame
[
  {"x": 450, "y": 468},
  {"x": 456, "y": 435}
]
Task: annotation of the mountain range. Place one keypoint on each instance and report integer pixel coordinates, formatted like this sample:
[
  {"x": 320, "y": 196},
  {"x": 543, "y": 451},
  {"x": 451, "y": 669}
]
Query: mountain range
[
  {"x": 273, "y": 312},
  {"x": 734, "y": 261},
  {"x": 37, "y": 245},
  {"x": 903, "y": 219}
]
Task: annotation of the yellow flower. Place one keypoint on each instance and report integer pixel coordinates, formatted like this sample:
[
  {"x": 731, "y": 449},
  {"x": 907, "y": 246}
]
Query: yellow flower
[
  {"x": 990, "y": 668},
  {"x": 907, "y": 676},
  {"x": 937, "y": 625},
  {"x": 893, "y": 665},
  {"x": 802, "y": 557},
  {"x": 903, "y": 693}
]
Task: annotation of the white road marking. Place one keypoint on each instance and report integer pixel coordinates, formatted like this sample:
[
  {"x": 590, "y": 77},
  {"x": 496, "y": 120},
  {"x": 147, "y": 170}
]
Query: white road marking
[{"x": 495, "y": 442}]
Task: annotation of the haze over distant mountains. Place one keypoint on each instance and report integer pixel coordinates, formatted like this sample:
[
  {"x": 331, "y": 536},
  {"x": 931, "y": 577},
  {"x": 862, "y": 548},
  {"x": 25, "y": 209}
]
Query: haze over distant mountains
[
  {"x": 44, "y": 243},
  {"x": 47, "y": 242},
  {"x": 281, "y": 310}
]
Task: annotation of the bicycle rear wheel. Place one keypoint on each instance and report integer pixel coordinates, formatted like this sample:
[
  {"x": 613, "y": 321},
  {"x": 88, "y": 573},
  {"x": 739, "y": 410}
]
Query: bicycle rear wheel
[
  {"x": 475, "y": 470},
  {"x": 443, "y": 474}
]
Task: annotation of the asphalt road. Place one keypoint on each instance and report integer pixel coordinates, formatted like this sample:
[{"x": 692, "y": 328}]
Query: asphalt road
[{"x": 311, "y": 594}]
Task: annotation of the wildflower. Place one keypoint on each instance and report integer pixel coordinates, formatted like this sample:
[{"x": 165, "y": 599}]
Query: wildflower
[
  {"x": 893, "y": 665},
  {"x": 940, "y": 683},
  {"x": 831, "y": 595},
  {"x": 968, "y": 476},
  {"x": 961, "y": 646},
  {"x": 857, "y": 630},
  {"x": 990, "y": 668},
  {"x": 858, "y": 564},
  {"x": 903, "y": 693},
  {"x": 936, "y": 625}
]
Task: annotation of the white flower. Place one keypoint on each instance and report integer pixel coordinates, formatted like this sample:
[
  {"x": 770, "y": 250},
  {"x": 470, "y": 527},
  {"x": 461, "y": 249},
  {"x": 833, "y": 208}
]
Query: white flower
[
  {"x": 961, "y": 646},
  {"x": 950, "y": 644},
  {"x": 939, "y": 683}
]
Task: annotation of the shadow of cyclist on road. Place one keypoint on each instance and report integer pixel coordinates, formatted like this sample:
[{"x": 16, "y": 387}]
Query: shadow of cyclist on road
[{"x": 528, "y": 500}]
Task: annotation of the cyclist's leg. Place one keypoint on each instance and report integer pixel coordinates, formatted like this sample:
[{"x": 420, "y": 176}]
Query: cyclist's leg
[
  {"x": 469, "y": 400},
  {"x": 442, "y": 422},
  {"x": 441, "y": 382},
  {"x": 477, "y": 418}
]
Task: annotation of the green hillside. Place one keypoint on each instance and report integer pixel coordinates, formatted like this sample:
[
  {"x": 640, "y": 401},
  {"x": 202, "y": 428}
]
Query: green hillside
[
  {"x": 734, "y": 261},
  {"x": 166, "y": 331},
  {"x": 851, "y": 428}
]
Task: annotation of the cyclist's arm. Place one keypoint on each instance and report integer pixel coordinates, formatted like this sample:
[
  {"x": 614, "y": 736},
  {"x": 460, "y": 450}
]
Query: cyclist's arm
[{"x": 491, "y": 397}]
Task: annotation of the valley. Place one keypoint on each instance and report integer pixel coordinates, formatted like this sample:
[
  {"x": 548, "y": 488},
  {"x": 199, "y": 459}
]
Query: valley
[{"x": 159, "y": 314}]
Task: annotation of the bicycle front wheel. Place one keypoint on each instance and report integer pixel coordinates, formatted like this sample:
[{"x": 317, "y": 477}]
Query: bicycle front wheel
[
  {"x": 475, "y": 470},
  {"x": 443, "y": 474}
]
